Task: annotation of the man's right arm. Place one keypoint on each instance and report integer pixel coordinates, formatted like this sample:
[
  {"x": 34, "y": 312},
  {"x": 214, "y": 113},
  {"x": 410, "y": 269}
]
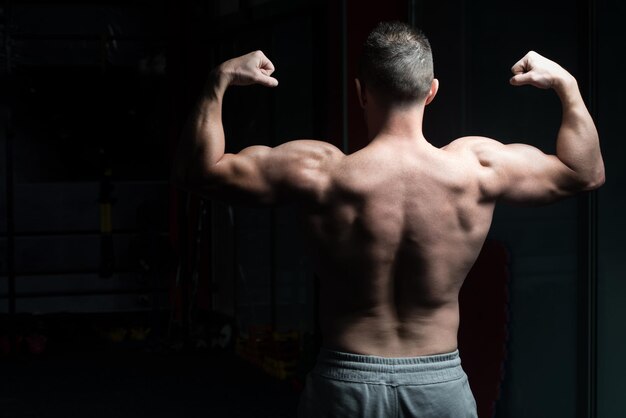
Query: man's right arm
[{"x": 522, "y": 174}]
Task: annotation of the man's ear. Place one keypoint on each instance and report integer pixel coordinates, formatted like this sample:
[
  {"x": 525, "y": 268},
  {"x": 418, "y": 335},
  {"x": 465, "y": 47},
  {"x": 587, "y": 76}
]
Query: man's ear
[
  {"x": 434, "y": 88},
  {"x": 360, "y": 93}
]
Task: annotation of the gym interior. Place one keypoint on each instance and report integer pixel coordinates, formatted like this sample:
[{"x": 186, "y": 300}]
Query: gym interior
[{"x": 122, "y": 295}]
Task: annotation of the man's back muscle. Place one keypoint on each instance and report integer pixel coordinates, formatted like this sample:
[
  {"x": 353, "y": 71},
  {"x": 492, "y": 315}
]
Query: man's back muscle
[{"x": 394, "y": 238}]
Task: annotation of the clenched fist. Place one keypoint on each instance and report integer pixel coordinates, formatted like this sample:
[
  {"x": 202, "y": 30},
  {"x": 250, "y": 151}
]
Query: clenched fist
[
  {"x": 252, "y": 68},
  {"x": 538, "y": 71}
]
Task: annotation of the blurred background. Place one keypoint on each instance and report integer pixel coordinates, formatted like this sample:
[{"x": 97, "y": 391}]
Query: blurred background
[{"x": 123, "y": 296}]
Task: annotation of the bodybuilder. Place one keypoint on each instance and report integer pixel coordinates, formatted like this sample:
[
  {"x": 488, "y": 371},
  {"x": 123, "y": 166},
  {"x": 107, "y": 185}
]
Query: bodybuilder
[{"x": 395, "y": 227}]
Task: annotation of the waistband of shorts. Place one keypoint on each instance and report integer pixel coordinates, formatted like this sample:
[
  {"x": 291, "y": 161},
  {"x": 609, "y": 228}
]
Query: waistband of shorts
[{"x": 389, "y": 370}]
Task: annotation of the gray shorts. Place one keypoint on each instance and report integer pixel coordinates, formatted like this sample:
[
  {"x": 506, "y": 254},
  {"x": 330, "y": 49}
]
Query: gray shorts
[{"x": 352, "y": 385}]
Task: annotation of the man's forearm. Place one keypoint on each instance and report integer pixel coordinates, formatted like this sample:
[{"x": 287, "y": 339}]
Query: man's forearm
[
  {"x": 202, "y": 142},
  {"x": 206, "y": 127},
  {"x": 578, "y": 145}
]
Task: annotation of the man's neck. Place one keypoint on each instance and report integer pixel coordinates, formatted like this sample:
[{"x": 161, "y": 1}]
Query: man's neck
[{"x": 397, "y": 123}]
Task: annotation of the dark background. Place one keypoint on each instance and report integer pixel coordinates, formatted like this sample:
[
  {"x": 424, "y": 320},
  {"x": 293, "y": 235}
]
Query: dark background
[{"x": 131, "y": 322}]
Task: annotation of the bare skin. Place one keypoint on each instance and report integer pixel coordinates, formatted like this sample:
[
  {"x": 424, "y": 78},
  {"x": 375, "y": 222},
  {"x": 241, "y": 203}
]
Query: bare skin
[{"x": 395, "y": 227}]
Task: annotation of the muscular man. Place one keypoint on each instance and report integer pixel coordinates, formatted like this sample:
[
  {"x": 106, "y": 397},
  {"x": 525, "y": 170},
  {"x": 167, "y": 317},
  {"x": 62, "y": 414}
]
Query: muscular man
[{"x": 395, "y": 227}]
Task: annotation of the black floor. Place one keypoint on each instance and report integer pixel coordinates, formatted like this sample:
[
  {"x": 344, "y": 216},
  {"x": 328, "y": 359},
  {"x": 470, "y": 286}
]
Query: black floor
[{"x": 137, "y": 385}]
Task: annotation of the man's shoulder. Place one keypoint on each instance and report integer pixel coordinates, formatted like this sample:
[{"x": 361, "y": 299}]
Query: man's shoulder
[
  {"x": 309, "y": 148},
  {"x": 306, "y": 167},
  {"x": 477, "y": 148},
  {"x": 471, "y": 143}
]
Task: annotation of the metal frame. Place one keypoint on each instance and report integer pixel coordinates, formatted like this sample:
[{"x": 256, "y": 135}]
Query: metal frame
[
  {"x": 588, "y": 231},
  {"x": 10, "y": 220},
  {"x": 9, "y": 179},
  {"x": 344, "y": 76}
]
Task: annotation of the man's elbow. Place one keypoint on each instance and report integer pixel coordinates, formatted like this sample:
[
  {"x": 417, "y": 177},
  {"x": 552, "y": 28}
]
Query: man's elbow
[{"x": 597, "y": 180}]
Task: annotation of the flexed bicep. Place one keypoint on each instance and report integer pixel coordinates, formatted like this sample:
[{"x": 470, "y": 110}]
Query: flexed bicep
[
  {"x": 296, "y": 171},
  {"x": 522, "y": 174}
]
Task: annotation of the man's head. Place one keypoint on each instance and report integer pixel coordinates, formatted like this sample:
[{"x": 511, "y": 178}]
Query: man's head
[{"x": 396, "y": 65}]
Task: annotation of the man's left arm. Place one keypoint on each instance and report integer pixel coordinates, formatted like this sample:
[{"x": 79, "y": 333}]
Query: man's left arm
[{"x": 257, "y": 174}]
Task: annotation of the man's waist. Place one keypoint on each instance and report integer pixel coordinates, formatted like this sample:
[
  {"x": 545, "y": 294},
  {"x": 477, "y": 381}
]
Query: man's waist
[
  {"x": 385, "y": 336},
  {"x": 389, "y": 370}
]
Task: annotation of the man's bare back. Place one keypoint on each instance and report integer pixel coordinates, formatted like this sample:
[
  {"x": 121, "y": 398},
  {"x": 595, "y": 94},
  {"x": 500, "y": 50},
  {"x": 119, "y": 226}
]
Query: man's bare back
[{"x": 401, "y": 226}]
